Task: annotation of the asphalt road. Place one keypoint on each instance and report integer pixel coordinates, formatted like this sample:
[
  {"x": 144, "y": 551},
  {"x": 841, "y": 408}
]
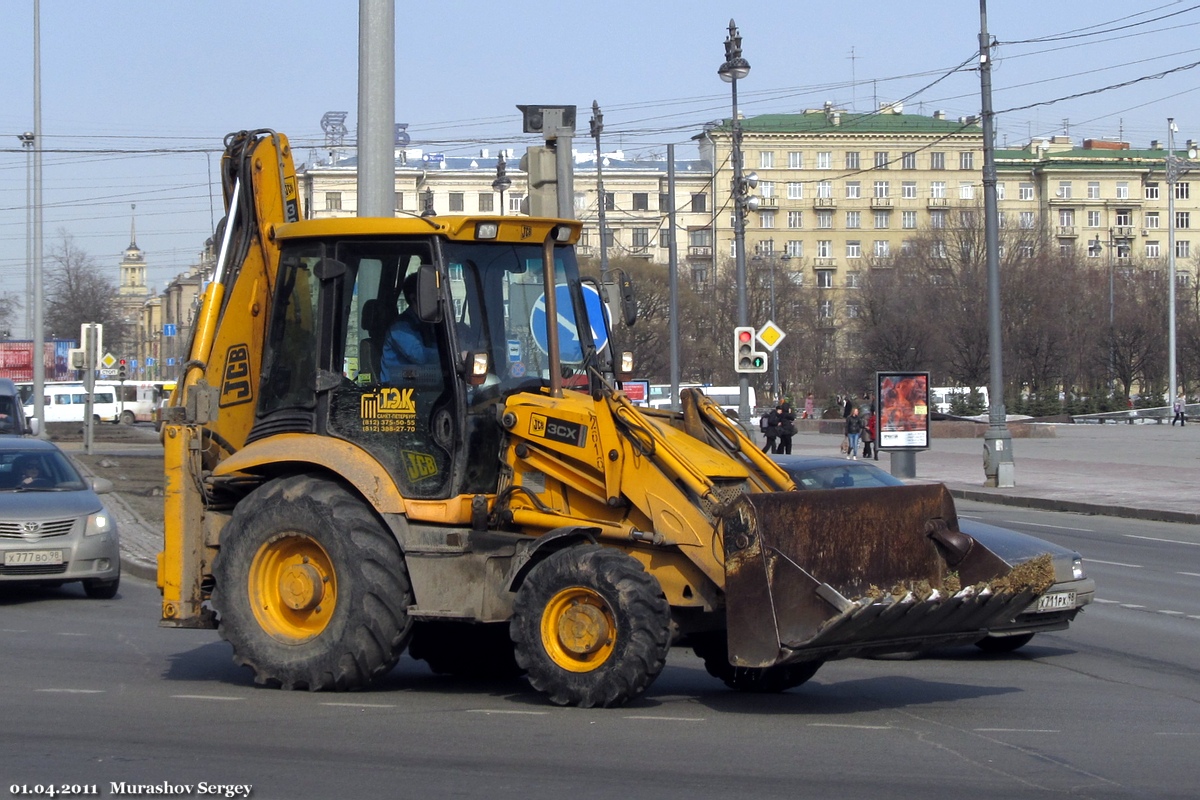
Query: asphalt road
[{"x": 94, "y": 693}]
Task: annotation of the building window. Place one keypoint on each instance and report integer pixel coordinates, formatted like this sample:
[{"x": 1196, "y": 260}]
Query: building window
[
  {"x": 1093, "y": 219},
  {"x": 966, "y": 160},
  {"x": 1183, "y": 219},
  {"x": 1064, "y": 190},
  {"x": 1095, "y": 248},
  {"x": 766, "y": 159},
  {"x": 1183, "y": 248},
  {"x": 908, "y": 190},
  {"x": 794, "y": 248},
  {"x": 908, "y": 220},
  {"x": 881, "y": 160},
  {"x": 966, "y": 218},
  {"x": 1065, "y": 247},
  {"x": 825, "y": 160},
  {"x": 1026, "y": 220},
  {"x": 937, "y": 218},
  {"x": 664, "y": 202},
  {"x": 883, "y": 220},
  {"x": 937, "y": 190},
  {"x": 882, "y": 248},
  {"x": 1183, "y": 191},
  {"x": 699, "y": 237},
  {"x": 1153, "y": 250},
  {"x": 1151, "y": 191},
  {"x": 765, "y": 248},
  {"x": 966, "y": 190},
  {"x": 853, "y": 249},
  {"x": 766, "y": 219},
  {"x": 1066, "y": 217},
  {"x": 795, "y": 160},
  {"x": 852, "y": 279},
  {"x": 825, "y": 308},
  {"x": 515, "y": 199},
  {"x": 824, "y": 189},
  {"x": 825, "y": 248},
  {"x": 999, "y": 191},
  {"x": 699, "y": 203},
  {"x": 641, "y": 238},
  {"x": 487, "y": 202},
  {"x": 853, "y": 219},
  {"x": 881, "y": 188},
  {"x": 333, "y": 201},
  {"x": 853, "y": 190},
  {"x": 610, "y": 201},
  {"x": 795, "y": 219},
  {"x": 1122, "y": 190},
  {"x": 908, "y": 161},
  {"x": 852, "y": 310},
  {"x": 766, "y": 189},
  {"x": 456, "y": 201},
  {"x": 399, "y": 201},
  {"x": 824, "y": 279},
  {"x": 852, "y": 161},
  {"x": 1025, "y": 191},
  {"x": 1151, "y": 219},
  {"x": 795, "y": 190},
  {"x": 825, "y": 219},
  {"x": 641, "y": 201},
  {"x": 1124, "y": 217},
  {"x": 1093, "y": 190},
  {"x": 937, "y": 160}
]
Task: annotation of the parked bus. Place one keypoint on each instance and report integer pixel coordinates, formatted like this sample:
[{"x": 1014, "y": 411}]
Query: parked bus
[
  {"x": 137, "y": 401},
  {"x": 727, "y": 397},
  {"x": 67, "y": 402},
  {"x": 940, "y": 397}
]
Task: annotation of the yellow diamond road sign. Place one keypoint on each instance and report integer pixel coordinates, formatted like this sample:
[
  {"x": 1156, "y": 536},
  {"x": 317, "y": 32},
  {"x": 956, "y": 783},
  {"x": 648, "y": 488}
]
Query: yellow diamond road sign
[
  {"x": 108, "y": 362},
  {"x": 770, "y": 335}
]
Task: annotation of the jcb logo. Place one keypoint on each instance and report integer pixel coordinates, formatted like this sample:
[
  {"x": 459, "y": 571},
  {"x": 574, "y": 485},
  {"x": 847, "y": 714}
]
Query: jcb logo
[
  {"x": 557, "y": 430},
  {"x": 418, "y": 466},
  {"x": 235, "y": 384},
  {"x": 526, "y": 231}
]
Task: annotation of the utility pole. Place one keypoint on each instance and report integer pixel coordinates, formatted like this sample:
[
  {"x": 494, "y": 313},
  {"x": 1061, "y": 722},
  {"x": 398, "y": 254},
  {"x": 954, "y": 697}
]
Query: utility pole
[
  {"x": 376, "y": 108},
  {"x": 39, "y": 324},
  {"x": 673, "y": 276},
  {"x": 597, "y": 123},
  {"x": 997, "y": 440}
]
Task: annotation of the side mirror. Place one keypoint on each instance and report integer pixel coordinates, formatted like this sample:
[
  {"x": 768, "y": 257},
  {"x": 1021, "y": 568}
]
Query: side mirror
[
  {"x": 102, "y": 485},
  {"x": 35, "y": 426}
]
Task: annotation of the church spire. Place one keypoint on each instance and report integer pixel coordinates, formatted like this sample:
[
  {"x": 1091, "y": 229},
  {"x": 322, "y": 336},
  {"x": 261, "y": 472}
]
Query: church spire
[{"x": 132, "y": 226}]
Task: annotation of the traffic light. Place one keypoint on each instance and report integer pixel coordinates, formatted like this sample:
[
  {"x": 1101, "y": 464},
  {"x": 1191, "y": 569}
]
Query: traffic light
[
  {"x": 745, "y": 357},
  {"x": 122, "y": 371}
]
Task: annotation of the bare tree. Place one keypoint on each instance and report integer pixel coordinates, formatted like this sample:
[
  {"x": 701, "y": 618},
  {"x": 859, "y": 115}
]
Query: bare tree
[
  {"x": 77, "y": 292},
  {"x": 8, "y": 312}
]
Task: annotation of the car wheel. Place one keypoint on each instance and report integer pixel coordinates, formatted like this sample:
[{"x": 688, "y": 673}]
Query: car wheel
[
  {"x": 127, "y": 417},
  {"x": 101, "y": 590},
  {"x": 591, "y": 627},
  {"x": 1003, "y": 644},
  {"x": 310, "y": 589},
  {"x": 714, "y": 651},
  {"x": 465, "y": 650}
]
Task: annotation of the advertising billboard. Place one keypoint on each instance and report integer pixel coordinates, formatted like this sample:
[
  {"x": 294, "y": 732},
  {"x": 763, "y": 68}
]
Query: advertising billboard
[{"x": 903, "y": 418}]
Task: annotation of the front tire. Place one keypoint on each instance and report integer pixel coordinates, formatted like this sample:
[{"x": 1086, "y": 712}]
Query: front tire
[
  {"x": 714, "y": 651},
  {"x": 311, "y": 590},
  {"x": 591, "y": 627},
  {"x": 101, "y": 590},
  {"x": 1003, "y": 644}
]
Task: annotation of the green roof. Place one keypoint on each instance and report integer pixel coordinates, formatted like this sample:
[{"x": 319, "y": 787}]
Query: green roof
[{"x": 821, "y": 122}]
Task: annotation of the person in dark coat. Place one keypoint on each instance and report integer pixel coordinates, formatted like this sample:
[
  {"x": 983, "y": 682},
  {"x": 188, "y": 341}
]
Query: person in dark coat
[
  {"x": 787, "y": 428},
  {"x": 854, "y": 426},
  {"x": 769, "y": 425}
]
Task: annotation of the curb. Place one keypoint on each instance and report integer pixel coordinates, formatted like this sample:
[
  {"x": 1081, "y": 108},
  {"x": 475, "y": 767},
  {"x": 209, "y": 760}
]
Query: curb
[{"x": 1076, "y": 507}]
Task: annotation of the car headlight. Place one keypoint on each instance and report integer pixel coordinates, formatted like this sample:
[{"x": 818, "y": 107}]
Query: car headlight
[
  {"x": 1077, "y": 569},
  {"x": 98, "y": 523}
]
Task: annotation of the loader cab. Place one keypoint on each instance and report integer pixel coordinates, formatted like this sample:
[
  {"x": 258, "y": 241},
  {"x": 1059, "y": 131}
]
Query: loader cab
[{"x": 375, "y": 338}]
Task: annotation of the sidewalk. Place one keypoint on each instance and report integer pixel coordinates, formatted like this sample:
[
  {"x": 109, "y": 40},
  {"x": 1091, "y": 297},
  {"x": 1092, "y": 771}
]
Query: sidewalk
[{"x": 1138, "y": 471}]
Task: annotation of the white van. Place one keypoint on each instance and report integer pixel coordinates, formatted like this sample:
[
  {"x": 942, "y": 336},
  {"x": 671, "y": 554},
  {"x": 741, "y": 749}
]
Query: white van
[{"x": 66, "y": 402}]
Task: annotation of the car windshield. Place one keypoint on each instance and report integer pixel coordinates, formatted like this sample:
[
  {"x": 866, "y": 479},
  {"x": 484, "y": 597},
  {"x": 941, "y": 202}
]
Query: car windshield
[
  {"x": 37, "y": 470},
  {"x": 843, "y": 476}
]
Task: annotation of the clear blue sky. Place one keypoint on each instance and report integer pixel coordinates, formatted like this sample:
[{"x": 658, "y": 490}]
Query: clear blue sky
[{"x": 156, "y": 77}]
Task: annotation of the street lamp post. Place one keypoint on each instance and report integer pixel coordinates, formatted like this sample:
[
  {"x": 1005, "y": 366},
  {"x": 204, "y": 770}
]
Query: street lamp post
[
  {"x": 27, "y": 143},
  {"x": 734, "y": 68},
  {"x": 1175, "y": 167}
]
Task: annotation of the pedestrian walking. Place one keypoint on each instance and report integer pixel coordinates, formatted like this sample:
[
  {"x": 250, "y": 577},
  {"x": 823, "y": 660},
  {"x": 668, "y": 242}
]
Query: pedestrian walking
[
  {"x": 1180, "y": 411},
  {"x": 847, "y": 404},
  {"x": 868, "y": 437},
  {"x": 809, "y": 410},
  {"x": 769, "y": 425},
  {"x": 787, "y": 428},
  {"x": 854, "y": 426}
]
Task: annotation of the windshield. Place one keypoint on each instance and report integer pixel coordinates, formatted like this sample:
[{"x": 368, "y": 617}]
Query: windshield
[
  {"x": 500, "y": 307},
  {"x": 37, "y": 470},
  {"x": 848, "y": 476}
]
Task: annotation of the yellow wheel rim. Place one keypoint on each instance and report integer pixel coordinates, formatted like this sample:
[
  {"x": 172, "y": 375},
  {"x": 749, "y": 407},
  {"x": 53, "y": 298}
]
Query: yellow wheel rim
[
  {"x": 579, "y": 629},
  {"x": 293, "y": 588}
]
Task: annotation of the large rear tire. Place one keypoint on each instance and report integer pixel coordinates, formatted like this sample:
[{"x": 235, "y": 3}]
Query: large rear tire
[
  {"x": 311, "y": 590},
  {"x": 591, "y": 627},
  {"x": 714, "y": 651}
]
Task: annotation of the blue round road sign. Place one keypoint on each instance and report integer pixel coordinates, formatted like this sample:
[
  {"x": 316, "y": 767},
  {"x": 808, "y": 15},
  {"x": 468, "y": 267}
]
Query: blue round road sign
[{"x": 569, "y": 345}]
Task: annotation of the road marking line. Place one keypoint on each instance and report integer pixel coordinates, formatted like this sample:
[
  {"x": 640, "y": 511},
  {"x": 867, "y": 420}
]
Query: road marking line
[
  {"x": 1171, "y": 613},
  {"x": 203, "y": 697},
  {"x": 1131, "y": 605},
  {"x": 503, "y": 711},
  {"x": 72, "y": 691},
  {"x": 1102, "y": 600},
  {"x": 856, "y": 727},
  {"x": 1191, "y": 574},
  {"x": 1044, "y": 525},
  {"x": 1114, "y": 563},
  {"x": 1176, "y": 733},
  {"x": 62, "y": 633},
  {"x": 1155, "y": 539},
  {"x": 1013, "y": 730},
  {"x": 360, "y": 705},
  {"x": 1193, "y": 616},
  {"x": 667, "y": 719}
]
